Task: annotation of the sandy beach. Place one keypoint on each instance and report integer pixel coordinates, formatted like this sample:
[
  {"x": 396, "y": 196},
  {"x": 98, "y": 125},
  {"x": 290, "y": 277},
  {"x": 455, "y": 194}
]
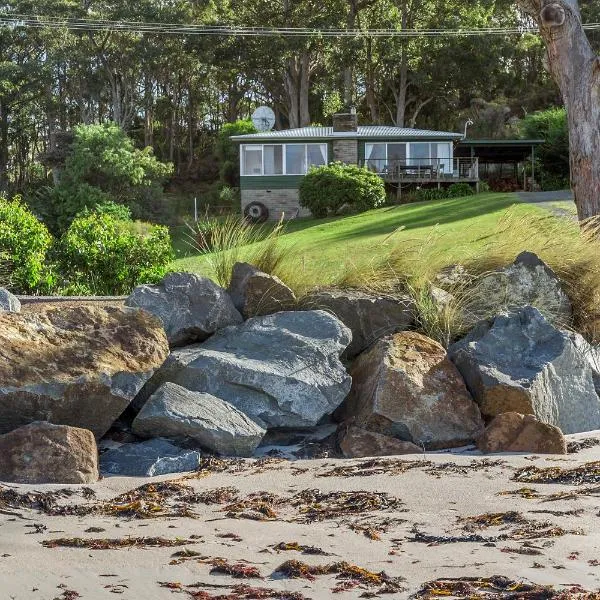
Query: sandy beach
[{"x": 408, "y": 517}]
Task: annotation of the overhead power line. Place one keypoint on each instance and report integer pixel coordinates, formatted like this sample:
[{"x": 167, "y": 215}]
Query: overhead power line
[{"x": 93, "y": 25}]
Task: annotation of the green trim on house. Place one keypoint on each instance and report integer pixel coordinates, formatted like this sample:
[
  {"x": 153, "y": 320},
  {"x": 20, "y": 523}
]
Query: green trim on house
[{"x": 270, "y": 182}]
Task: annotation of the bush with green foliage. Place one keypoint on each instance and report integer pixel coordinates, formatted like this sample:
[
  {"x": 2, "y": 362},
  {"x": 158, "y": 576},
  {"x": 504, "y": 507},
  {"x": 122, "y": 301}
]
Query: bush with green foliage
[
  {"x": 553, "y": 156},
  {"x": 103, "y": 165},
  {"x": 458, "y": 190},
  {"x": 228, "y": 151},
  {"x": 103, "y": 255},
  {"x": 324, "y": 190},
  {"x": 24, "y": 244}
]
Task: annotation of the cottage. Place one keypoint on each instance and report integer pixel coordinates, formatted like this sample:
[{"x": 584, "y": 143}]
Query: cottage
[{"x": 272, "y": 163}]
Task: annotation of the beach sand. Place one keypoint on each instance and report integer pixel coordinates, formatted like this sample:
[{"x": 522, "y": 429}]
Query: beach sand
[{"x": 434, "y": 490}]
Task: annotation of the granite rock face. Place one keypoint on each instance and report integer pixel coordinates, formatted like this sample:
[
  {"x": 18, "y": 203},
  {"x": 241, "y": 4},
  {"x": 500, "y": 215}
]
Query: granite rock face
[
  {"x": 282, "y": 370},
  {"x": 255, "y": 293},
  {"x": 44, "y": 453},
  {"x": 149, "y": 459},
  {"x": 521, "y": 363},
  {"x": 77, "y": 366},
  {"x": 369, "y": 317},
  {"x": 190, "y": 307},
  {"x": 407, "y": 388},
  {"x": 179, "y": 414},
  {"x": 512, "y": 432},
  {"x": 9, "y": 301}
]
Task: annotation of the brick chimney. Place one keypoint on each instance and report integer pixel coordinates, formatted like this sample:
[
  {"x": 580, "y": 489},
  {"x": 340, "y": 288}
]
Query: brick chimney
[
  {"x": 345, "y": 122},
  {"x": 346, "y": 149}
]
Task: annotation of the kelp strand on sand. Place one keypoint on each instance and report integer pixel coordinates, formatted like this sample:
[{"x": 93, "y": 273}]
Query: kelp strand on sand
[
  {"x": 115, "y": 543},
  {"x": 581, "y": 475}
]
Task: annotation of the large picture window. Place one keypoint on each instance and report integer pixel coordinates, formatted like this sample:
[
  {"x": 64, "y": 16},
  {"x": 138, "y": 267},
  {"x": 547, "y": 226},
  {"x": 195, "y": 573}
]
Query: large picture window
[
  {"x": 281, "y": 159},
  {"x": 384, "y": 157}
]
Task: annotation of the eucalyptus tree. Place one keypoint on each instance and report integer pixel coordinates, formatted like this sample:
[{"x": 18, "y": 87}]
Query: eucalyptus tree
[{"x": 575, "y": 67}]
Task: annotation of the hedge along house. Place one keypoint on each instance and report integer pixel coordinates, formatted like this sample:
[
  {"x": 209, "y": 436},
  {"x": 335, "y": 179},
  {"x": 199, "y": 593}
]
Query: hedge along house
[{"x": 273, "y": 163}]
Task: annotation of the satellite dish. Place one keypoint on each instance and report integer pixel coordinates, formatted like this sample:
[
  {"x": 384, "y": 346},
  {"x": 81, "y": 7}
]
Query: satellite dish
[{"x": 263, "y": 118}]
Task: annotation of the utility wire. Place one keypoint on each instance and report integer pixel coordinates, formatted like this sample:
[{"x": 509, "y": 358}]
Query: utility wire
[{"x": 43, "y": 22}]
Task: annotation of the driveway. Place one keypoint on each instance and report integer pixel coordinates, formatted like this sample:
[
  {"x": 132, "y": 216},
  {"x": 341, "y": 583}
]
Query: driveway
[{"x": 559, "y": 202}]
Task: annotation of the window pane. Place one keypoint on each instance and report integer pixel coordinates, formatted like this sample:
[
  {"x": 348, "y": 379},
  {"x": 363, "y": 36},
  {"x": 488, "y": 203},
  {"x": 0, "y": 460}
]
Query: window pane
[
  {"x": 444, "y": 154},
  {"x": 317, "y": 154},
  {"x": 396, "y": 152},
  {"x": 375, "y": 157},
  {"x": 419, "y": 154},
  {"x": 273, "y": 160},
  {"x": 252, "y": 160},
  {"x": 295, "y": 163}
]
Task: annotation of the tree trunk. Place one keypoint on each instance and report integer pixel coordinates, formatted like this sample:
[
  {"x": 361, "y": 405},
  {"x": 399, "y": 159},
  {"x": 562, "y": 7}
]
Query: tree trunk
[
  {"x": 3, "y": 147},
  {"x": 292, "y": 89},
  {"x": 370, "y": 84},
  {"x": 304, "y": 108},
  {"x": 576, "y": 70}
]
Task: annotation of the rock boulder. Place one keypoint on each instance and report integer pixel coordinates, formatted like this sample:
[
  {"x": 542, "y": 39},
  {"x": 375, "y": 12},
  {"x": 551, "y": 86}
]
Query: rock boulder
[
  {"x": 45, "y": 453},
  {"x": 512, "y": 432},
  {"x": 369, "y": 317},
  {"x": 77, "y": 366},
  {"x": 528, "y": 281},
  {"x": 282, "y": 370},
  {"x": 9, "y": 301},
  {"x": 521, "y": 363},
  {"x": 255, "y": 293},
  {"x": 407, "y": 388},
  {"x": 149, "y": 459},
  {"x": 177, "y": 413},
  {"x": 356, "y": 442},
  {"x": 190, "y": 307}
]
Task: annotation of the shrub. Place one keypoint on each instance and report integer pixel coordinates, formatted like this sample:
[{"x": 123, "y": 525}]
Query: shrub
[
  {"x": 458, "y": 190},
  {"x": 425, "y": 194},
  {"x": 228, "y": 151},
  {"x": 24, "y": 243},
  {"x": 108, "y": 256},
  {"x": 326, "y": 189},
  {"x": 103, "y": 165}
]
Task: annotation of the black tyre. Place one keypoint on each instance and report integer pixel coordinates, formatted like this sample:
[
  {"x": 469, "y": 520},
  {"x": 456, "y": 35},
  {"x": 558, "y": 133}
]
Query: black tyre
[{"x": 256, "y": 212}]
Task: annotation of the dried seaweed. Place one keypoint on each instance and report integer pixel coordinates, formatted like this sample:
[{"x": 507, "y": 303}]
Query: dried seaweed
[
  {"x": 437, "y": 540},
  {"x": 578, "y": 445},
  {"x": 295, "y": 546},
  {"x": 492, "y": 520},
  {"x": 527, "y": 493},
  {"x": 314, "y": 505},
  {"x": 498, "y": 587},
  {"x": 580, "y": 475},
  {"x": 237, "y": 570},
  {"x": 237, "y": 592},
  {"x": 525, "y": 550},
  {"x": 114, "y": 543},
  {"x": 375, "y": 466},
  {"x": 259, "y": 506}
]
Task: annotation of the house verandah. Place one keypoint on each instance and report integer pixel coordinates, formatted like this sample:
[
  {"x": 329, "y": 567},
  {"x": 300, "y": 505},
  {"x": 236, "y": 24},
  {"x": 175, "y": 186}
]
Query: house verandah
[{"x": 272, "y": 164}]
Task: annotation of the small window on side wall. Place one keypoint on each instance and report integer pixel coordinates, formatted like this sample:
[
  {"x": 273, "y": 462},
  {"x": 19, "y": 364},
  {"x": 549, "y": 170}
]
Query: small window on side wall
[
  {"x": 273, "y": 159},
  {"x": 252, "y": 158}
]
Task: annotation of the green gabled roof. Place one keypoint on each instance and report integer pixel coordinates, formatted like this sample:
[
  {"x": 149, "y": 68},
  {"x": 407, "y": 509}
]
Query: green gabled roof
[{"x": 371, "y": 132}]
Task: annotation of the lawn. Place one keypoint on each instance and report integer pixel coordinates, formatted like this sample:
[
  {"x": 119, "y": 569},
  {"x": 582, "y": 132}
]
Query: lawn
[{"x": 321, "y": 251}]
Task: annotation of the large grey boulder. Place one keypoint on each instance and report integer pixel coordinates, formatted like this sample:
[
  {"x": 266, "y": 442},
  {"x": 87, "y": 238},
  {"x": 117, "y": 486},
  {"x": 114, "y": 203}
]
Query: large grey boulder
[
  {"x": 45, "y": 453},
  {"x": 406, "y": 387},
  {"x": 521, "y": 363},
  {"x": 527, "y": 282},
  {"x": 9, "y": 301},
  {"x": 282, "y": 370},
  {"x": 148, "y": 459},
  {"x": 255, "y": 293},
  {"x": 190, "y": 307},
  {"x": 77, "y": 366},
  {"x": 177, "y": 413},
  {"x": 369, "y": 317}
]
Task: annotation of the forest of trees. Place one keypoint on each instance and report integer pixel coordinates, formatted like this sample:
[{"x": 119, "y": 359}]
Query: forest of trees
[{"x": 174, "y": 91}]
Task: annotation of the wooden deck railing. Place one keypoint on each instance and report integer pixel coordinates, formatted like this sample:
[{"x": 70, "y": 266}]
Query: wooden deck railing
[{"x": 426, "y": 170}]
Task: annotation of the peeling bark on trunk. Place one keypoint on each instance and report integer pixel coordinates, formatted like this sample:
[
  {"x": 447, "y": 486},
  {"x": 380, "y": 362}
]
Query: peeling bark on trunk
[{"x": 576, "y": 70}]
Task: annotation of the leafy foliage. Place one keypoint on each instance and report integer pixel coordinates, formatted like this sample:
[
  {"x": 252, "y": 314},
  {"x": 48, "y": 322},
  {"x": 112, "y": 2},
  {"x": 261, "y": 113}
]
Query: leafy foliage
[
  {"x": 456, "y": 190},
  {"x": 104, "y": 166},
  {"x": 551, "y": 126},
  {"x": 24, "y": 243},
  {"x": 228, "y": 151},
  {"x": 326, "y": 189},
  {"x": 100, "y": 254}
]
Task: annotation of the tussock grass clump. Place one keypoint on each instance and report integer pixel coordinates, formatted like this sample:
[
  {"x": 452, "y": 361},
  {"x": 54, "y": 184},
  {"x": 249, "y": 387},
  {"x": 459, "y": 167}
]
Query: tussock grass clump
[
  {"x": 227, "y": 241},
  {"x": 445, "y": 278}
]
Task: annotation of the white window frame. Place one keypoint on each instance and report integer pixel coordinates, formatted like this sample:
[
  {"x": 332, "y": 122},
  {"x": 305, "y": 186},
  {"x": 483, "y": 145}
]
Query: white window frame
[
  {"x": 449, "y": 159},
  {"x": 284, "y": 150}
]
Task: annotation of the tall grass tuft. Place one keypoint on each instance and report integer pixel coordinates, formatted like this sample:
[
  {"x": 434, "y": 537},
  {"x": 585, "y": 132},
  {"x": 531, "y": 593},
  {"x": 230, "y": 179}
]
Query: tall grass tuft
[
  {"x": 413, "y": 266},
  {"x": 227, "y": 241}
]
